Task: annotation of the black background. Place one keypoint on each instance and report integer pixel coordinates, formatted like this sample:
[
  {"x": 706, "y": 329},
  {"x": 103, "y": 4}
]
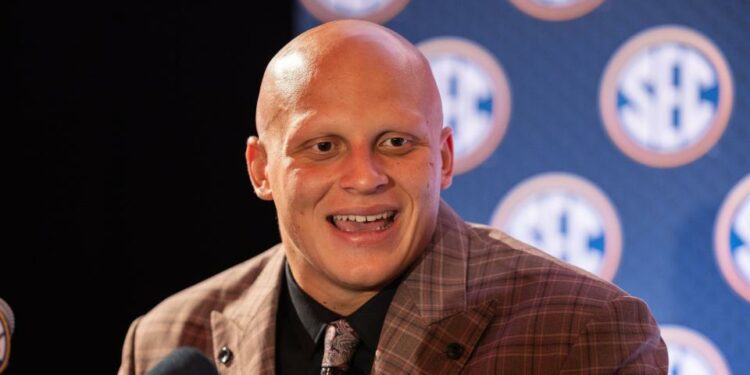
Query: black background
[{"x": 124, "y": 163}]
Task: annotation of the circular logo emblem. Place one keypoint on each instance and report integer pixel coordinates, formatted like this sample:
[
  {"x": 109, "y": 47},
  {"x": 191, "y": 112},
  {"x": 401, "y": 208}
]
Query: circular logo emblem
[
  {"x": 556, "y": 10},
  {"x": 666, "y": 96},
  {"x": 475, "y": 95},
  {"x": 6, "y": 329},
  {"x": 692, "y": 353},
  {"x": 4, "y": 343},
  {"x": 566, "y": 216},
  {"x": 378, "y": 11},
  {"x": 732, "y": 238}
]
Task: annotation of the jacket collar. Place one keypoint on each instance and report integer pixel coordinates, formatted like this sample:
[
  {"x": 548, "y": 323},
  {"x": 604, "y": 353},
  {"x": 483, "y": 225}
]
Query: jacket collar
[
  {"x": 427, "y": 310},
  {"x": 437, "y": 281},
  {"x": 429, "y": 327},
  {"x": 248, "y": 326}
]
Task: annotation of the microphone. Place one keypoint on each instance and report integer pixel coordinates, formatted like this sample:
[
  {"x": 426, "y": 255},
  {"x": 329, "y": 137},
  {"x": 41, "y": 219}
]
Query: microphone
[
  {"x": 184, "y": 360},
  {"x": 7, "y": 325}
]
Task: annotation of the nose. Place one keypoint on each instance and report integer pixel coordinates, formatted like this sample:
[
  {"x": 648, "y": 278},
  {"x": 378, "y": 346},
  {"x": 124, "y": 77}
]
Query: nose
[{"x": 363, "y": 172}]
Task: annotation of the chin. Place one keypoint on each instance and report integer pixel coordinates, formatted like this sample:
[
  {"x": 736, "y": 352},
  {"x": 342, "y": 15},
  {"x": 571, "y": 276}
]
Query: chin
[{"x": 366, "y": 277}]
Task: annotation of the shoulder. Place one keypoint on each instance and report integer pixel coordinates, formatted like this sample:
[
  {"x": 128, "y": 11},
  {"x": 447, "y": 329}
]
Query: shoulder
[
  {"x": 184, "y": 319},
  {"x": 533, "y": 276},
  {"x": 543, "y": 302},
  {"x": 194, "y": 304},
  {"x": 501, "y": 269}
]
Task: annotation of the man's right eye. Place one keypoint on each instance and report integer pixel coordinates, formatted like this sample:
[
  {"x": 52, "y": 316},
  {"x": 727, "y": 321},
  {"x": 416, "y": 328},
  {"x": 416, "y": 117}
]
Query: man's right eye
[{"x": 323, "y": 147}]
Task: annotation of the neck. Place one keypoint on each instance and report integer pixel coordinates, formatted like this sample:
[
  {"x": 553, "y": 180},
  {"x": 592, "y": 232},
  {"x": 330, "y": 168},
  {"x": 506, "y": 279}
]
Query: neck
[
  {"x": 338, "y": 299},
  {"x": 342, "y": 305}
]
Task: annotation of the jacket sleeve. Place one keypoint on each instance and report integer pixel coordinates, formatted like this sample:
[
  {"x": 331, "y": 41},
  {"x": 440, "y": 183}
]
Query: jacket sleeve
[
  {"x": 623, "y": 338},
  {"x": 127, "y": 366}
]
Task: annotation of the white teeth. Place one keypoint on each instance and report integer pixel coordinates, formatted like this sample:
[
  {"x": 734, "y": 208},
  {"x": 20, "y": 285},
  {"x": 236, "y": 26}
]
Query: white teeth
[{"x": 363, "y": 218}]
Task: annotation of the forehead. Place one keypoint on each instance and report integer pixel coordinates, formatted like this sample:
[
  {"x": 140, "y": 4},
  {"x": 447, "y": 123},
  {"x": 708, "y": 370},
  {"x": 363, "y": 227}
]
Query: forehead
[
  {"x": 349, "y": 121},
  {"x": 353, "y": 80}
]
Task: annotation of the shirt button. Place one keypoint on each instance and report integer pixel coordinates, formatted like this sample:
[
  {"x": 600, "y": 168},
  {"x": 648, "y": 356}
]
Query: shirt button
[
  {"x": 225, "y": 356},
  {"x": 454, "y": 350}
]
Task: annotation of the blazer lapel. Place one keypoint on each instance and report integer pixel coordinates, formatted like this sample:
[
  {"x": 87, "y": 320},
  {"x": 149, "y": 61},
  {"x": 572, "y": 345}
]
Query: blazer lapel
[
  {"x": 429, "y": 327},
  {"x": 248, "y": 327}
]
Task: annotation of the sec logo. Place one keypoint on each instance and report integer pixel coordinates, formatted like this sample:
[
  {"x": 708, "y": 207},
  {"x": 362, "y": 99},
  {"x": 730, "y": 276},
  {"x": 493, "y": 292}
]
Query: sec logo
[
  {"x": 378, "y": 11},
  {"x": 732, "y": 238},
  {"x": 556, "y": 10},
  {"x": 475, "y": 96},
  {"x": 566, "y": 216},
  {"x": 666, "y": 96},
  {"x": 692, "y": 353},
  {"x": 6, "y": 329}
]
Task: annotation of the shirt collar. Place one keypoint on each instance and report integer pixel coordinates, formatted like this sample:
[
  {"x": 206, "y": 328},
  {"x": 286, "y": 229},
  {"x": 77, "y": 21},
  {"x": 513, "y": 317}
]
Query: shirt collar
[{"x": 367, "y": 321}]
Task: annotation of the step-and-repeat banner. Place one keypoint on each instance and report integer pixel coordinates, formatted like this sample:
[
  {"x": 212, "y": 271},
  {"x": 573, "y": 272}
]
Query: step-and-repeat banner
[{"x": 613, "y": 134}]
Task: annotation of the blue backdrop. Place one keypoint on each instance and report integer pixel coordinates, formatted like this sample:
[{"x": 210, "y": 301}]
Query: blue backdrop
[{"x": 614, "y": 134}]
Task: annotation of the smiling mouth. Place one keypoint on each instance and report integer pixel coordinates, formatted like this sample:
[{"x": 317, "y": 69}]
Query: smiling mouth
[{"x": 363, "y": 223}]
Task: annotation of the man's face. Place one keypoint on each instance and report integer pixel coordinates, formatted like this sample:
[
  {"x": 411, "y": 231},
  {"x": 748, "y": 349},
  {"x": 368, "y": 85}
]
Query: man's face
[{"x": 355, "y": 174}]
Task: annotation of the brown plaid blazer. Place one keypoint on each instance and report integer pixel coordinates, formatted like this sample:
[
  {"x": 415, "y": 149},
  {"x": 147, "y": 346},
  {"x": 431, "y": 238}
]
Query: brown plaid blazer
[{"x": 476, "y": 302}]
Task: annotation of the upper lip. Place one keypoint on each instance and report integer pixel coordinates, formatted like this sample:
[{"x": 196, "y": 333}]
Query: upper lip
[{"x": 364, "y": 211}]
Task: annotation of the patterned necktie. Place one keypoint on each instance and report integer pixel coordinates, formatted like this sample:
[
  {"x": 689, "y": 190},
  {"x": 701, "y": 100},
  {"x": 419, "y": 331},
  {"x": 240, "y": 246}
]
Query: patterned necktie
[{"x": 339, "y": 346}]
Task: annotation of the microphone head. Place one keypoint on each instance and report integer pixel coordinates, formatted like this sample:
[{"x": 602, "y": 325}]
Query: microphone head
[
  {"x": 7, "y": 315},
  {"x": 184, "y": 361}
]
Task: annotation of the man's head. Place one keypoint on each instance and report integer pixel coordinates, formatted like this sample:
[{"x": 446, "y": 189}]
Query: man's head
[{"x": 352, "y": 151}]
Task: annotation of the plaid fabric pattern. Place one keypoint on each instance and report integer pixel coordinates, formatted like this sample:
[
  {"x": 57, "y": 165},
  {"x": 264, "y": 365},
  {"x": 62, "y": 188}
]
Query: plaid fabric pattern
[{"x": 476, "y": 302}]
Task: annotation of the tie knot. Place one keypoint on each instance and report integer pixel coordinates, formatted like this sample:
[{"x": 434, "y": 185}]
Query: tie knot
[{"x": 339, "y": 346}]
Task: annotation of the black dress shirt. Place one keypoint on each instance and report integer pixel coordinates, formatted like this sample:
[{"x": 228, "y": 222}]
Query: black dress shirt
[{"x": 300, "y": 329}]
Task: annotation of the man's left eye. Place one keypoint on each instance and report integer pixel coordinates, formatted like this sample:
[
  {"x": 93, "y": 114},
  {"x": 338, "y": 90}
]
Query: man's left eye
[{"x": 395, "y": 142}]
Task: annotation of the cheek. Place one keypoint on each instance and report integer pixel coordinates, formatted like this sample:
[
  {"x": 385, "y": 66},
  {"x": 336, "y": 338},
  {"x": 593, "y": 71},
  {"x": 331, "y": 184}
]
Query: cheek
[
  {"x": 422, "y": 178},
  {"x": 305, "y": 187},
  {"x": 297, "y": 192}
]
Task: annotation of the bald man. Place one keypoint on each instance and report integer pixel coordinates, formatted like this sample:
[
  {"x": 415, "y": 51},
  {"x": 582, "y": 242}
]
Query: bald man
[{"x": 352, "y": 150}]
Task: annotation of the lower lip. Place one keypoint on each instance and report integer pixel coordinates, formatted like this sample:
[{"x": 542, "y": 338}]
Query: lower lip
[{"x": 366, "y": 238}]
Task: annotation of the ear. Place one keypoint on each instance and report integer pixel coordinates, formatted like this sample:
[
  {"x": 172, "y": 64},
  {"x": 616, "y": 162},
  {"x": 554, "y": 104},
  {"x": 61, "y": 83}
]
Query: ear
[
  {"x": 446, "y": 155},
  {"x": 257, "y": 163}
]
